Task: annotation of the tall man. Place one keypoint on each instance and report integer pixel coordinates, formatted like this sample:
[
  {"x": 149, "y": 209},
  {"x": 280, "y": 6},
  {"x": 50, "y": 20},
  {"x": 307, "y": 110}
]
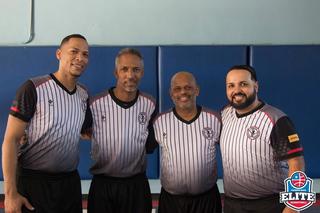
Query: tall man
[
  {"x": 259, "y": 146},
  {"x": 51, "y": 109},
  {"x": 188, "y": 135},
  {"x": 121, "y": 123}
]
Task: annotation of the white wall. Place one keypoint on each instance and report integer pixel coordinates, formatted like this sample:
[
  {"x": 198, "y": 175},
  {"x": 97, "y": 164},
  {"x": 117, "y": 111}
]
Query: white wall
[{"x": 164, "y": 22}]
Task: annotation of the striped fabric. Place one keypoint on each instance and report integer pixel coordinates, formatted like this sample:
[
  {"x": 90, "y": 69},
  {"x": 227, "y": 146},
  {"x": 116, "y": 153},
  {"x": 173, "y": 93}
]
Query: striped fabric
[
  {"x": 120, "y": 132},
  {"x": 250, "y": 147},
  {"x": 54, "y": 130},
  {"x": 188, "y": 151}
]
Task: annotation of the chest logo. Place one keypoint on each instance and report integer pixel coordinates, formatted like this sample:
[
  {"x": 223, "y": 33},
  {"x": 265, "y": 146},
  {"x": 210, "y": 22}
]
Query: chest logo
[
  {"x": 142, "y": 118},
  {"x": 253, "y": 132},
  {"x": 208, "y": 133},
  {"x": 50, "y": 101}
]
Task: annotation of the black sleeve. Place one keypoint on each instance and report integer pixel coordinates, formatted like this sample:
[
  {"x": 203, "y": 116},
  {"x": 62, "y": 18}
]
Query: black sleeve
[
  {"x": 87, "y": 124},
  {"x": 151, "y": 143},
  {"x": 24, "y": 104},
  {"x": 285, "y": 140}
]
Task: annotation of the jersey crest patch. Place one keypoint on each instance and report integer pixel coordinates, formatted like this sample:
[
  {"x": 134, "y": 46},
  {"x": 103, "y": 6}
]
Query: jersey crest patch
[
  {"x": 253, "y": 132},
  {"x": 208, "y": 133},
  {"x": 84, "y": 105},
  {"x": 142, "y": 118}
]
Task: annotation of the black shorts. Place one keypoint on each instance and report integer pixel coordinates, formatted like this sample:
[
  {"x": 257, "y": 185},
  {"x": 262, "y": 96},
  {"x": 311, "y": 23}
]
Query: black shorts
[
  {"x": 207, "y": 202},
  {"x": 262, "y": 205},
  {"x": 51, "y": 193},
  {"x": 120, "y": 195}
]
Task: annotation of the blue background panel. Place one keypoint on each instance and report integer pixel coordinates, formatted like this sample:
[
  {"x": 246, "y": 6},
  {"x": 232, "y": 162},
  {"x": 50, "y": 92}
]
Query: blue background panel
[
  {"x": 208, "y": 64},
  {"x": 289, "y": 79}
]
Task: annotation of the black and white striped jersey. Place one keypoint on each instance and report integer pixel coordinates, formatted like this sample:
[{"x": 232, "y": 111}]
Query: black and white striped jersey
[
  {"x": 254, "y": 149},
  {"x": 120, "y": 132},
  {"x": 188, "y": 151},
  {"x": 55, "y": 117}
]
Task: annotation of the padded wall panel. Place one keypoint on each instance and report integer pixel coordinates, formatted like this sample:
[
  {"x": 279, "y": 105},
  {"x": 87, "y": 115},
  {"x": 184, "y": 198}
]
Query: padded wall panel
[
  {"x": 20, "y": 63},
  {"x": 289, "y": 79},
  {"x": 208, "y": 64}
]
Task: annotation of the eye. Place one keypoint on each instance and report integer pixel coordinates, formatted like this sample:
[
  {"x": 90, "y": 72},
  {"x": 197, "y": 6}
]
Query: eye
[
  {"x": 230, "y": 86},
  {"x": 176, "y": 89},
  {"x": 243, "y": 84},
  {"x": 187, "y": 88},
  {"x": 124, "y": 69},
  {"x": 136, "y": 69},
  {"x": 85, "y": 54}
]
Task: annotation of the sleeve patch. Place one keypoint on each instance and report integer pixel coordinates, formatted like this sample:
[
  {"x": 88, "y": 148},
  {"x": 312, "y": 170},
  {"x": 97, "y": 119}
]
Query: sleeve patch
[{"x": 293, "y": 138}]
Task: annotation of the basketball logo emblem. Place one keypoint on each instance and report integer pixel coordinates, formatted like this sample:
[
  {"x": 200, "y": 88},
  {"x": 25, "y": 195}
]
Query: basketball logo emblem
[
  {"x": 298, "y": 179},
  {"x": 142, "y": 118},
  {"x": 208, "y": 133},
  {"x": 253, "y": 132}
]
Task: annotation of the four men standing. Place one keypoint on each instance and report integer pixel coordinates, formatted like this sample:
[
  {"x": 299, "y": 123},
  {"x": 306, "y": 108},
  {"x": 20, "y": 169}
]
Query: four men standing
[{"x": 259, "y": 144}]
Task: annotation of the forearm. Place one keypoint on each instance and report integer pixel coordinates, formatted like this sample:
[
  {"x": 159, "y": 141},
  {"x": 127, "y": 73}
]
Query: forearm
[
  {"x": 9, "y": 166},
  {"x": 295, "y": 164},
  {"x": 14, "y": 133}
]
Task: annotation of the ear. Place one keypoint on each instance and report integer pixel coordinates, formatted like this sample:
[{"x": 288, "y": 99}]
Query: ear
[
  {"x": 256, "y": 86},
  {"x": 197, "y": 90},
  {"x": 58, "y": 54},
  {"x": 115, "y": 73}
]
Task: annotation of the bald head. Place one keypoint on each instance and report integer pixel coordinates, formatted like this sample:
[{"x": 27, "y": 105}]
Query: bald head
[
  {"x": 184, "y": 76},
  {"x": 183, "y": 91}
]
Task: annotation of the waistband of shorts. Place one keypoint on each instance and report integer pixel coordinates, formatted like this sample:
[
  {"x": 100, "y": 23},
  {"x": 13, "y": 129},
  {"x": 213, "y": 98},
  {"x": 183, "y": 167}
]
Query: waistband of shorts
[
  {"x": 138, "y": 176},
  {"x": 212, "y": 189},
  {"x": 268, "y": 197},
  {"x": 22, "y": 172}
]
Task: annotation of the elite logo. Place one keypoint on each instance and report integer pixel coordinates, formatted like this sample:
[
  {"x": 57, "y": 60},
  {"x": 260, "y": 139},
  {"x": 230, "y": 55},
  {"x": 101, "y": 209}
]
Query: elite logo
[{"x": 298, "y": 193}]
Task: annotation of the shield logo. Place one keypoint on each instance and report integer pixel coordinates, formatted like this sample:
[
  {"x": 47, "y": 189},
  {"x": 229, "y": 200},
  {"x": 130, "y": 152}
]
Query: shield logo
[{"x": 298, "y": 193}]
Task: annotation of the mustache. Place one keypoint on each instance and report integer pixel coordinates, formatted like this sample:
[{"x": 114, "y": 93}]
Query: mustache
[{"x": 239, "y": 93}]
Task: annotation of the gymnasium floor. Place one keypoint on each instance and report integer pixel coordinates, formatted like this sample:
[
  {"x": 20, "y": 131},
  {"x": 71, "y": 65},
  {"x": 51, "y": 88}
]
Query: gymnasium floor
[{"x": 155, "y": 189}]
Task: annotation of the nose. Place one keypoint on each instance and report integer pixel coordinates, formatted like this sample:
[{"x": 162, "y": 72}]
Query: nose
[
  {"x": 80, "y": 57},
  {"x": 236, "y": 89},
  {"x": 130, "y": 73}
]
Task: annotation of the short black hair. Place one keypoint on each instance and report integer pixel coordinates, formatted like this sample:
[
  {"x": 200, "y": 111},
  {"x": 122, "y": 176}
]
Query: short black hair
[
  {"x": 67, "y": 38},
  {"x": 249, "y": 68}
]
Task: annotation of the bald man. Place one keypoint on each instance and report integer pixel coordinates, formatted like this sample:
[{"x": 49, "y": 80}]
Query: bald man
[{"x": 188, "y": 135}]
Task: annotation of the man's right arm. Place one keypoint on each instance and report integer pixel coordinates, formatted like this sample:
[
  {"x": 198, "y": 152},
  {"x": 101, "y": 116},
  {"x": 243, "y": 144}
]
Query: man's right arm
[{"x": 14, "y": 132}]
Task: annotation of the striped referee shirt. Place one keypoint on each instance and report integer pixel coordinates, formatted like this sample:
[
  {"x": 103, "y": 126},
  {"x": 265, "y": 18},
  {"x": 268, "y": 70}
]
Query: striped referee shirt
[
  {"x": 120, "y": 133},
  {"x": 254, "y": 149},
  {"x": 55, "y": 117},
  {"x": 188, "y": 151}
]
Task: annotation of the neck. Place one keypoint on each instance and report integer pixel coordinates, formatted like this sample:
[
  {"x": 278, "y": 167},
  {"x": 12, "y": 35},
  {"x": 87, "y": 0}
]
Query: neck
[
  {"x": 68, "y": 82},
  {"x": 254, "y": 105},
  {"x": 124, "y": 96},
  {"x": 187, "y": 114}
]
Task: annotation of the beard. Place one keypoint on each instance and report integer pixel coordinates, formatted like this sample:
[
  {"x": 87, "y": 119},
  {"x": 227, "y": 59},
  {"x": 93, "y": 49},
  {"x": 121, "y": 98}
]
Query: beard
[{"x": 248, "y": 101}]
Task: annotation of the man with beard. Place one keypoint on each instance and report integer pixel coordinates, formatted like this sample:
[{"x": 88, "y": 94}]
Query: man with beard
[
  {"x": 121, "y": 132},
  {"x": 259, "y": 146},
  {"x": 188, "y": 135},
  {"x": 41, "y": 174}
]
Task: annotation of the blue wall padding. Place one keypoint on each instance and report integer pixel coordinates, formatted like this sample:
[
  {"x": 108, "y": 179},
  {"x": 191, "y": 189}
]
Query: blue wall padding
[{"x": 289, "y": 79}]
